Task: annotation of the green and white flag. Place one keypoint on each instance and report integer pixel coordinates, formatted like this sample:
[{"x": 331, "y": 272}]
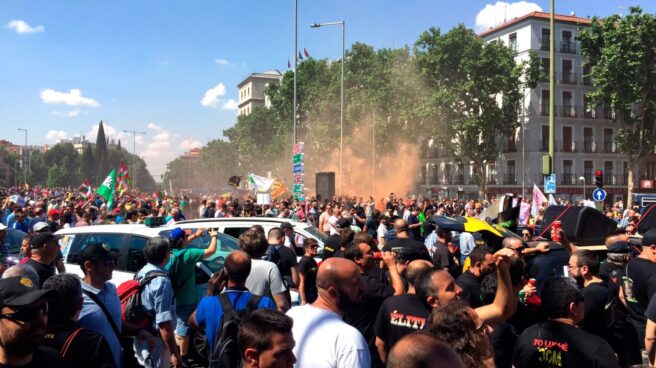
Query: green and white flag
[
  {"x": 259, "y": 183},
  {"x": 106, "y": 189}
]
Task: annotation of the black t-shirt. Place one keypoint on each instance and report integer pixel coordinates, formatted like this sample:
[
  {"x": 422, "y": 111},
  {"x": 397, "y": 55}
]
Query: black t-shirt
[
  {"x": 639, "y": 285},
  {"x": 410, "y": 248},
  {"x": 87, "y": 348},
  {"x": 42, "y": 357},
  {"x": 545, "y": 265},
  {"x": 596, "y": 318},
  {"x": 363, "y": 315},
  {"x": 308, "y": 268},
  {"x": 43, "y": 270},
  {"x": 399, "y": 316},
  {"x": 287, "y": 260},
  {"x": 416, "y": 231},
  {"x": 555, "y": 344},
  {"x": 471, "y": 289},
  {"x": 503, "y": 339},
  {"x": 443, "y": 259}
]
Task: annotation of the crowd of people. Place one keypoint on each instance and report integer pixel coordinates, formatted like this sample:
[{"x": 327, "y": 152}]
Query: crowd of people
[{"x": 389, "y": 288}]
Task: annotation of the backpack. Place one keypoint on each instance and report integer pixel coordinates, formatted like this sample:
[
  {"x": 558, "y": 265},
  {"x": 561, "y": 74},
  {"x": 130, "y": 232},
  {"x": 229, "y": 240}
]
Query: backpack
[
  {"x": 132, "y": 310},
  {"x": 225, "y": 352},
  {"x": 272, "y": 254}
]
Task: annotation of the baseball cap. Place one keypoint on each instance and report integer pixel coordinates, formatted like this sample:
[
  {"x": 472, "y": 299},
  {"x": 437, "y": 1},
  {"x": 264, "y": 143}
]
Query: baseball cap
[
  {"x": 95, "y": 252},
  {"x": 176, "y": 234},
  {"x": 649, "y": 238},
  {"x": 20, "y": 291},
  {"x": 286, "y": 225},
  {"x": 343, "y": 223},
  {"x": 41, "y": 239},
  {"x": 620, "y": 247},
  {"x": 40, "y": 226},
  {"x": 54, "y": 211}
]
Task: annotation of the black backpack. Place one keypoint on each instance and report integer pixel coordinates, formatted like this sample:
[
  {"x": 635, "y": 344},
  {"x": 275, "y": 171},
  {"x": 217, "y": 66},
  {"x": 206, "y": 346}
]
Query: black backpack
[{"x": 225, "y": 352}]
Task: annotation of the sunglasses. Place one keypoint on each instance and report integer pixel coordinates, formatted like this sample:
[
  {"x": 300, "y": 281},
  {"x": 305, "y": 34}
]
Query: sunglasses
[
  {"x": 27, "y": 314},
  {"x": 526, "y": 234}
]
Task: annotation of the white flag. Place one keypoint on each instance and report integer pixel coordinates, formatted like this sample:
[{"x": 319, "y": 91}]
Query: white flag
[
  {"x": 260, "y": 183},
  {"x": 538, "y": 200}
]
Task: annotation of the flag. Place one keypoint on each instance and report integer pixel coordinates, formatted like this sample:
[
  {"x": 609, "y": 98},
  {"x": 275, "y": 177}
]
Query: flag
[
  {"x": 106, "y": 189},
  {"x": 538, "y": 200},
  {"x": 26, "y": 186},
  {"x": 85, "y": 190},
  {"x": 123, "y": 179},
  {"x": 289, "y": 64},
  {"x": 307, "y": 54},
  {"x": 259, "y": 183},
  {"x": 552, "y": 200},
  {"x": 300, "y": 57},
  {"x": 277, "y": 189},
  {"x": 234, "y": 181}
]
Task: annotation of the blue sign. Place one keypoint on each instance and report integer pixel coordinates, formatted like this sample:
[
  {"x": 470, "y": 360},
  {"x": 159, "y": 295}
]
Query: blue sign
[
  {"x": 298, "y": 168},
  {"x": 550, "y": 184},
  {"x": 599, "y": 194}
]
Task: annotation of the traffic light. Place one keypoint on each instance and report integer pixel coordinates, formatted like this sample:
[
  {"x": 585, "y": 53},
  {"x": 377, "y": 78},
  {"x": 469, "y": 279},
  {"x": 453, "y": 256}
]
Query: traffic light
[{"x": 599, "y": 178}]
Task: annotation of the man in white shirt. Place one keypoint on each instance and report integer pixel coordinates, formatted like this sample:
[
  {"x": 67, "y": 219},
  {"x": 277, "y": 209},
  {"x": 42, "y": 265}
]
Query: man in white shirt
[{"x": 323, "y": 338}]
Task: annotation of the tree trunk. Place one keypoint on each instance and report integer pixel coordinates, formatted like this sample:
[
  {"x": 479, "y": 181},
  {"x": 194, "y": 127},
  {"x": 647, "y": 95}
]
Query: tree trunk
[
  {"x": 482, "y": 183},
  {"x": 633, "y": 169}
]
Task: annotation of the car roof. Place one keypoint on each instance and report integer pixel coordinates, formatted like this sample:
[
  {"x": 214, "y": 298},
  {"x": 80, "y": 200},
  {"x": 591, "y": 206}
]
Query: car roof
[
  {"x": 138, "y": 229},
  {"x": 252, "y": 220}
]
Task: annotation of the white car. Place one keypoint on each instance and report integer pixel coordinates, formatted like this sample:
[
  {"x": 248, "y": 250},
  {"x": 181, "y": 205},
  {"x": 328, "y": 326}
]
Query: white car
[
  {"x": 235, "y": 226},
  {"x": 128, "y": 241}
]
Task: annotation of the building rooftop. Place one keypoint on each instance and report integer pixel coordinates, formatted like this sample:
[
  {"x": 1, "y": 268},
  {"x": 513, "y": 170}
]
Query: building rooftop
[
  {"x": 270, "y": 74},
  {"x": 537, "y": 15}
]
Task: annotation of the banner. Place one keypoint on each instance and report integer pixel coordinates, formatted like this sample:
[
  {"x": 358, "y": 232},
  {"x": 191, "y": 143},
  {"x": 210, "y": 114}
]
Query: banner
[
  {"x": 259, "y": 183},
  {"x": 106, "y": 189},
  {"x": 85, "y": 190},
  {"x": 538, "y": 200},
  {"x": 123, "y": 179}
]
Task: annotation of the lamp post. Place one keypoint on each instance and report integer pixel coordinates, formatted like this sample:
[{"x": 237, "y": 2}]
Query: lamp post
[
  {"x": 134, "y": 154},
  {"x": 26, "y": 157},
  {"x": 341, "y": 118},
  {"x": 582, "y": 178}
]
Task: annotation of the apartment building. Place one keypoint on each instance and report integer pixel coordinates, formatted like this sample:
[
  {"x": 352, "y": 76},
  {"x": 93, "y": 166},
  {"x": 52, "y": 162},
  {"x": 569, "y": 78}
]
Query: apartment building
[
  {"x": 584, "y": 137},
  {"x": 251, "y": 90}
]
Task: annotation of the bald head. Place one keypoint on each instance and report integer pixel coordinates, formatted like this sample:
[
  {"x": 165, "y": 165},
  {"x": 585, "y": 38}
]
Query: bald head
[
  {"x": 414, "y": 268},
  {"x": 420, "y": 350},
  {"x": 238, "y": 266},
  {"x": 511, "y": 242},
  {"x": 401, "y": 226},
  {"x": 615, "y": 238},
  {"x": 334, "y": 270}
]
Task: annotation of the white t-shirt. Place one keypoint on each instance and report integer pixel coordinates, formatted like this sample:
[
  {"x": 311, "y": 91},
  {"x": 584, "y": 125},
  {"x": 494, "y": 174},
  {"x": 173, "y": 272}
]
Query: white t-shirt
[
  {"x": 323, "y": 340},
  {"x": 264, "y": 279},
  {"x": 332, "y": 220}
]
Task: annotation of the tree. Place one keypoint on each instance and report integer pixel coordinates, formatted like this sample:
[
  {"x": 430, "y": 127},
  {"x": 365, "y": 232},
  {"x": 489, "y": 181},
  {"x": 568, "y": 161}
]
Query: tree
[
  {"x": 88, "y": 164},
  {"x": 474, "y": 86},
  {"x": 621, "y": 51},
  {"x": 101, "y": 154}
]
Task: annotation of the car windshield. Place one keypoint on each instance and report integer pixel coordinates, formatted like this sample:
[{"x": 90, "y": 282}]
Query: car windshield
[
  {"x": 226, "y": 244},
  {"x": 316, "y": 233}
]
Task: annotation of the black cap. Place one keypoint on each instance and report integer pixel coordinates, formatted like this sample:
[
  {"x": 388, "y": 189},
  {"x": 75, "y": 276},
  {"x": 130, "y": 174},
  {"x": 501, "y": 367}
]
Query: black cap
[
  {"x": 649, "y": 238},
  {"x": 286, "y": 225},
  {"x": 343, "y": 223},
  {"x": 95, "y": 252},
  {"x": 620, "y": 247},
  {"x": 21, "y": 291},
  {"x": 331, "y": 245},
  {"x": 41, "y": 239}
]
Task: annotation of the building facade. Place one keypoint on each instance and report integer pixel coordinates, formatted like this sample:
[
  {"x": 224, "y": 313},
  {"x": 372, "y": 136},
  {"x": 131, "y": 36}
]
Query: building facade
[
  {"x": 251, "y": 90},
  {"x": 584, "y": 137}
]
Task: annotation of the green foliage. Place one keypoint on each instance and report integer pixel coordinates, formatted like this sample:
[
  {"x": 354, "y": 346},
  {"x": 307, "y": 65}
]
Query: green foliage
[{"x": 101, "y": 154}]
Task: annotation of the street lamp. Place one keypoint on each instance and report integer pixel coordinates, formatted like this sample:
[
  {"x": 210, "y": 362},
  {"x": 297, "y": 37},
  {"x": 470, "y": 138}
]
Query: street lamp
[
  {"x": 582, "y": 178},
  {"x": 26, "y": 156},
  {"x": 134, "y": 146},
  {"x": 341, "y": 118}
]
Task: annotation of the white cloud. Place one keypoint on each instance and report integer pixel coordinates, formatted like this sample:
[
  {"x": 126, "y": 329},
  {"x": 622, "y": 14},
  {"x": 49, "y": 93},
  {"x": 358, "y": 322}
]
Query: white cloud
[
  {"x": 21, "y": 27},
  {"x": 188, "y": 144},
  {"x": 211, "y": 97},
  {"x": 72, "y": 98},
  {"x": 70, "y": 114},
  {"x": 494, "y": 14},
  {"x": 164, "y": 136},
  {"x": 231, "y": 104},
  {"x": 54, "y": 135},
  {"x": 221, "y": 61}
]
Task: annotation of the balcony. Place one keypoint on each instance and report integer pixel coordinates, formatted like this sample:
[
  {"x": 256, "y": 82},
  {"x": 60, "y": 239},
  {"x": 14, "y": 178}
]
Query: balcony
[
  {"x": 544, "y": 44},
  {"x": 590, "y": 113},
  {"x": 458, "y": 179},
  {"x": 587, "y": 81},
  {"x": 609, "y": 147},
  {"x": 544, "y": 108},
  {"x": 589, "y": 146},
  {"x": 567, "y": 146},
  {"x": 544, "y": 146},
  {"x": 509, "y": 179},
  {"x": 589, "y": 178},
  {"x": 492, "y": 180},
  {"x": 567, "y": 77},
  {"x": 472, "y": 180},
  {"x": 509, "y": 147},
  {"x": 609, "y": 114},
  {"x": 568, "y": 179},
  {"x": 569, "y": 111},
  {"x": 568, "y": 47}
]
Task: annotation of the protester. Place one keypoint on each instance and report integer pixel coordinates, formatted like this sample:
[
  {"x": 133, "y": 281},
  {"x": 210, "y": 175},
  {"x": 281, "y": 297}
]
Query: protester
[
  {"x": 284, "y": 256},
  {"x": 401, "y": 314},
  {"x": 44, "y": 248},
  {"x": 481, "y": 265},
  {"x": 558, "y": 341},
  {"x": 79, "y": 347},
  {"x": 307, "y": 271},
  {"x": 264, "y": 278},
  {"x": 421, "y": 350},
  {"x": 320, "y": 324},
  {"x": 266, "y": 340},
  {"x": 157, "y": 300}
]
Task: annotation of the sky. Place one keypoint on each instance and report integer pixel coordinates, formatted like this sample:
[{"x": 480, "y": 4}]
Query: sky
[{"x": 170, "y": 68}]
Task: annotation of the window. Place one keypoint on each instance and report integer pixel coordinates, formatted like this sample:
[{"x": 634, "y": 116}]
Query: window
[
  {"x": 608, "y": 173},
  {"x": 114, "y": 242},
  {"x": 545, "y": 139},
  {"x": 136, "y": 258},
  {"x": 568, "y": 176},
  {"x": 568, "y": 145},
  {"x": 544, "y": 103},
  {"x": 235, "y": 231},
  {"x": 544, "y": 39},
  {"x": 512, "y": 41}
]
